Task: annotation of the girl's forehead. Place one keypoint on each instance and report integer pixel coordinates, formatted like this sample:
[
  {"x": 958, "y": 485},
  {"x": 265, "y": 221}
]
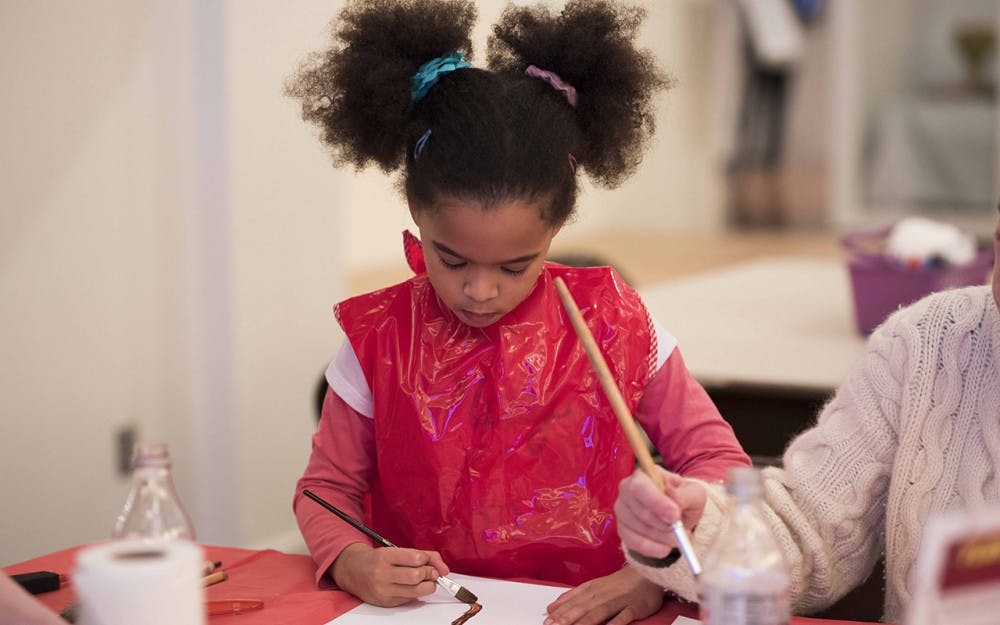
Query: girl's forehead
[
  {"x": 450, "y": 202},
  {"x": 516, "y": 214},
  {"x": 491, "y": 233}
]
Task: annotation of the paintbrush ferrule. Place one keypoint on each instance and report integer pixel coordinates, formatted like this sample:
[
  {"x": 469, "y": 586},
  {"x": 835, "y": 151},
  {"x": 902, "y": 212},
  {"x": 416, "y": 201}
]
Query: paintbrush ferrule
[
  {"x": 684, "y": 542},
  {"x": 449, "y": 585},
  {"x": 456, "y": 590}
]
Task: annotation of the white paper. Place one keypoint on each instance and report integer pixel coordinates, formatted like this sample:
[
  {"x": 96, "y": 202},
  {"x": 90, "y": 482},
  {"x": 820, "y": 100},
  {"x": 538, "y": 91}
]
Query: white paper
[
  {"x": 683, "y": 620},
  {"x": 503, "y": 603}
]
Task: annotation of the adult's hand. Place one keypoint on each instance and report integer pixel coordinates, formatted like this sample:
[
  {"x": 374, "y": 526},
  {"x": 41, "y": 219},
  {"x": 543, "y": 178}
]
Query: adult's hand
[{"x": 646, "y": 515}]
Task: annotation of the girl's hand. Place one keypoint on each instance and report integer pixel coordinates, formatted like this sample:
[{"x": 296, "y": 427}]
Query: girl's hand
[
  {"x": 624, "y": 596},
  {"x": 387, "y": 576},
  {"x": 645, "y": 515}
]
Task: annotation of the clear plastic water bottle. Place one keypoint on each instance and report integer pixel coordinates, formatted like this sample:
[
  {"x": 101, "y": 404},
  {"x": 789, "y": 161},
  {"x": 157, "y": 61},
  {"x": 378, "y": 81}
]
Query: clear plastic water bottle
[
  {"x": 153, "y": 510},
  {"x": 745, "y": 577}
]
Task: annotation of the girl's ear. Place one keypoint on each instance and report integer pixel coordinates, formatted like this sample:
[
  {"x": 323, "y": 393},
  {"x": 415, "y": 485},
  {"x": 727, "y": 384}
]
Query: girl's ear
[{"x": 414, "y": 210}]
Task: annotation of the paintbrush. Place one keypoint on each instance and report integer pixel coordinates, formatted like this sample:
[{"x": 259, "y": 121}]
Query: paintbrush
[
  {"x": 621, "y": 410},
  {"x": 454, "y": 588}
]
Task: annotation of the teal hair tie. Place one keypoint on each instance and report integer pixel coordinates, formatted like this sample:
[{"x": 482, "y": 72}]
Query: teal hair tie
[{"x": 429, "y": 73}]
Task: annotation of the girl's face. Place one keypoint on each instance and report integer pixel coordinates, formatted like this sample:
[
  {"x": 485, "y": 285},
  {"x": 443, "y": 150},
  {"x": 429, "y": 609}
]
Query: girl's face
[{"x": 483, "y": 263}]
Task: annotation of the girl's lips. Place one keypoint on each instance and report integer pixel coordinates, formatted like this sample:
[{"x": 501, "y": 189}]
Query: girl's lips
[{"x": 478, "y": 319}]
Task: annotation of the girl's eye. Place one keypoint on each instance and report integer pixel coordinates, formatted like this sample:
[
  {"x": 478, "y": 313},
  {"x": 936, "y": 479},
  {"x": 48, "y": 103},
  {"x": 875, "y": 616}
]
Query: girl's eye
[{"x": 455, "y": 266}]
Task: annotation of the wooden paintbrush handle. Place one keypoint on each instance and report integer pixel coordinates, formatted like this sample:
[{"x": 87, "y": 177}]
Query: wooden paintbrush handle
[
  {"x": 621, "y": 410},
  {"x": 614, "y": 395}
]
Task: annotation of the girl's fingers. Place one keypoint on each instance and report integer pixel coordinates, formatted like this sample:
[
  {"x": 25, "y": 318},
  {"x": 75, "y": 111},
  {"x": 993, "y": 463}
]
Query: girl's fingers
[
  {"x": 411, "y": 575},
  {"x": 435, "y": 560},
  {"x": 408, "y": 593},
  {"x": 406, "y": 568}
]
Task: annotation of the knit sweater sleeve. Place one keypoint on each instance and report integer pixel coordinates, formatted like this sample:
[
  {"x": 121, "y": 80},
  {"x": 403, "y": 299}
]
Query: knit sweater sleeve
[{"x": 826, "y": 505}]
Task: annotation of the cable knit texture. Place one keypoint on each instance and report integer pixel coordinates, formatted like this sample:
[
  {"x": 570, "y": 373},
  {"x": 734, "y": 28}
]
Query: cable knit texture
[{"x": 914, "y": 430}]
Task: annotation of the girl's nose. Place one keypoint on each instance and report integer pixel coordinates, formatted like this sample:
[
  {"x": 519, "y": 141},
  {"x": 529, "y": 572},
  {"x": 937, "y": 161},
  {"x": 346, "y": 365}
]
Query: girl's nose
[{"x": 480, "y": 286}]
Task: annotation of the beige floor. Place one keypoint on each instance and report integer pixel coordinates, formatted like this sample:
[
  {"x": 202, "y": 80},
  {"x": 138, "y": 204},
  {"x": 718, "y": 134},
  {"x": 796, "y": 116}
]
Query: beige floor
[{"x": 646, "y": 258}]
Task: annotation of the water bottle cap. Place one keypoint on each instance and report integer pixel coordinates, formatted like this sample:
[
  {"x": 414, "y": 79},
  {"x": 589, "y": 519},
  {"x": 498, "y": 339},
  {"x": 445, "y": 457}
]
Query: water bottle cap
[
  {"x": 150, "y": 454},
  {"x": 744, "y": 483}
]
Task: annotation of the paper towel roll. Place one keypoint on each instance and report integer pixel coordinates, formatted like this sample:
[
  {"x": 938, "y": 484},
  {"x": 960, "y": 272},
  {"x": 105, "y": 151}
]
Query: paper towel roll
[{"x": 140, "y": 582}]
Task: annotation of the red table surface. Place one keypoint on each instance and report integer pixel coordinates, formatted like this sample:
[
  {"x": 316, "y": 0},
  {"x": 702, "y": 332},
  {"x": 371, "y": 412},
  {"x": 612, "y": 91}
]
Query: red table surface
[{"x": 284, "y": 582}]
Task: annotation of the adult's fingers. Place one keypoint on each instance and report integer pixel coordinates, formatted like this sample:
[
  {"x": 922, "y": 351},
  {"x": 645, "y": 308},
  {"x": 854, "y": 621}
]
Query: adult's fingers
[
  {"x": 690, "y": 496},
  {"x": 643, "y": 511}
]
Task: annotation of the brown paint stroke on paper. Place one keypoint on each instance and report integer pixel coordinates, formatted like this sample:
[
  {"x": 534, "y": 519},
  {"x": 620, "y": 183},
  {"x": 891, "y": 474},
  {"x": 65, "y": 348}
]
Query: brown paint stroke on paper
[{"x": 472, "y": 611}]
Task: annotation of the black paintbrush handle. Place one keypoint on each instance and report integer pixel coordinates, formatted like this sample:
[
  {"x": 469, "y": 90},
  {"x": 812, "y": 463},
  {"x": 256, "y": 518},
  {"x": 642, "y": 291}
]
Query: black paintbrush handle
[
  {"x": 358, "y": 525},
  {"x": 459, "y": 592}
]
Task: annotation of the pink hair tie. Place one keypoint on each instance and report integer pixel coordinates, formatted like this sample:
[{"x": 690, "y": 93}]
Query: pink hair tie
[{"x": 557, "y": 83}]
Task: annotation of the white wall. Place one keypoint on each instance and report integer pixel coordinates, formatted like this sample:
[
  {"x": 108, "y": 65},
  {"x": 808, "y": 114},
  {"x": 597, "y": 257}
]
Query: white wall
[
  {"x": 287, "y": 250},
  {"x": 867, "y": 61},
  {"x": 871, "y": 63},
  {"x": 82, "y": 297},
  {"x": 885, "y": 32},
  {"x": 679, "y": 185},
  {"x": 168, "y": 257}
]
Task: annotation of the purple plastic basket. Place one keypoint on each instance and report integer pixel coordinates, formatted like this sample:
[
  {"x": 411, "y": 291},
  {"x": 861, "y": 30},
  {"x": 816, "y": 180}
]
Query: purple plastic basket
[{"x": 880, "y": 285}]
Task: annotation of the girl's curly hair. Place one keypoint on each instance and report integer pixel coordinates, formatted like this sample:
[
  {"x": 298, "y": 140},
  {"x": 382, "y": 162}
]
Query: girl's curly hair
[{"x": 495, "y": 134}]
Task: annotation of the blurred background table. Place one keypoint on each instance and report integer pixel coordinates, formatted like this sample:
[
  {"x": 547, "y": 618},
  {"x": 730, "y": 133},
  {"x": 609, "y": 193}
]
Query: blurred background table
[
  {"x": 770, "y": 339},
  {"x": 782, "y": 323}
]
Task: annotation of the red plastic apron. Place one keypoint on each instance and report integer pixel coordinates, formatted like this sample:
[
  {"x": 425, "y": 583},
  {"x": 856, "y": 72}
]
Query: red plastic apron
[{"x": 496, "y": 446}]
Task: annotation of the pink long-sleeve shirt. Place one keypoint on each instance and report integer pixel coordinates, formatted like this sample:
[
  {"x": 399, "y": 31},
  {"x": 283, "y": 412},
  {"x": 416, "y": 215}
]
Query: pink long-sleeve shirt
[{"x": 675, "y": 411}]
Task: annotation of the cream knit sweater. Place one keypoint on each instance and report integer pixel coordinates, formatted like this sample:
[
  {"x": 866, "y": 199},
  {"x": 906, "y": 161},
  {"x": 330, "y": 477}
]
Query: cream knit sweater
[{"x": 915, "y": 429}]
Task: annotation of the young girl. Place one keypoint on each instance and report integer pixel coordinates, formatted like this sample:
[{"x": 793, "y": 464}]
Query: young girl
[
  {"x": 462, "y": 404},
  {"x": 913, "y": 431}
]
